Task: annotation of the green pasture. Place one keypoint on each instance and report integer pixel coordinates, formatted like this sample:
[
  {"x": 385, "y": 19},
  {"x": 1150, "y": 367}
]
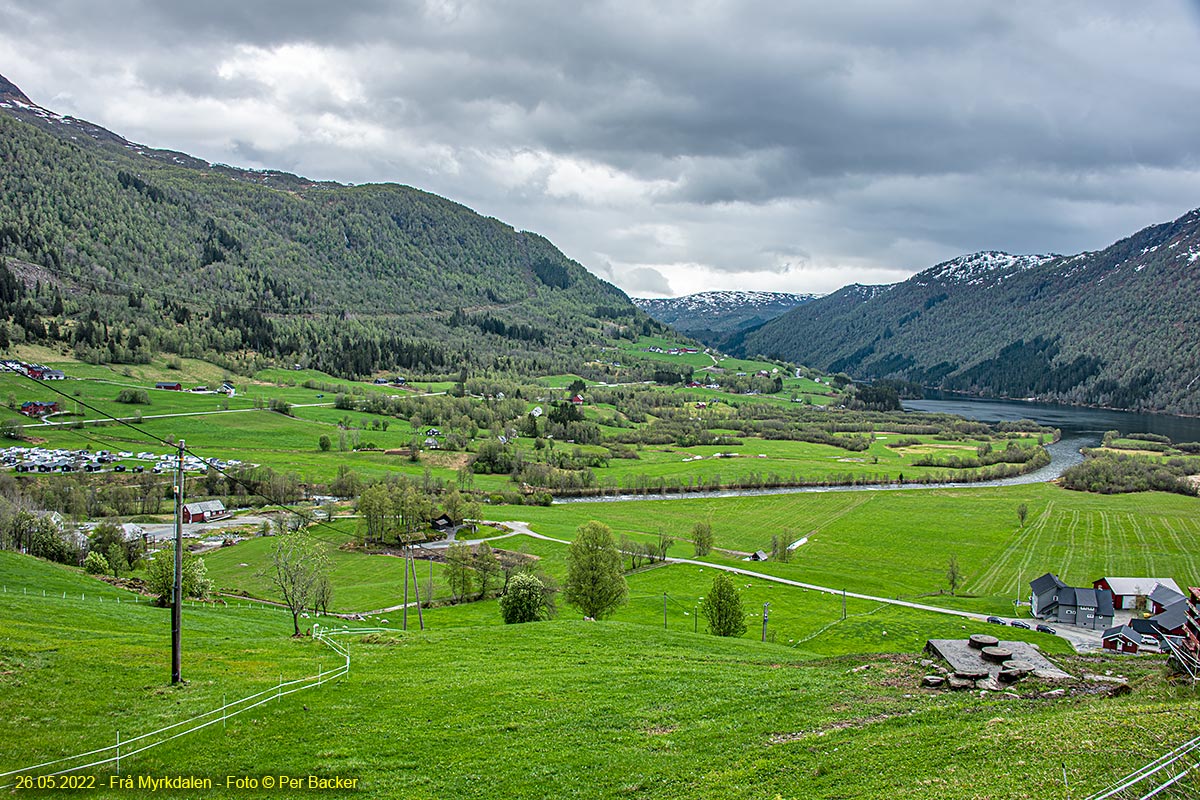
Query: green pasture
[
  {"x": 567, "y": 708},
  {"x": 898, "y": 543}
]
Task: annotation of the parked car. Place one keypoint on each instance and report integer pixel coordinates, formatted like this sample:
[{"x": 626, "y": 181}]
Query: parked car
[
  {"x": 1046, "y": 629},
  {"x": 1016, "y": 623},
  {"x": 995, "y": 620}
]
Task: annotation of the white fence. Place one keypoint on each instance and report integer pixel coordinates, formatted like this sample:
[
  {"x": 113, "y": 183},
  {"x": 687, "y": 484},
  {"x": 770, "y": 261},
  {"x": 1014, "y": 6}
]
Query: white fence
[
  {"x": 125, "y": 749},
  {"x": 1165, "y": 774}
]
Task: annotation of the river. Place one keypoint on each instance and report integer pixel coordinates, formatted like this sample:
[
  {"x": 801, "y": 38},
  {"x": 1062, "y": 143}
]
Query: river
[{"x": 1081, "y": 427}]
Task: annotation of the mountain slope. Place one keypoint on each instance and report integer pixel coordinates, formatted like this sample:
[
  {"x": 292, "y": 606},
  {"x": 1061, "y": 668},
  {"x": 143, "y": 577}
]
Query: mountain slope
[
  {"x": 712, "y": 317},
  {"x": 121, "y": 250},
  {"x": 1114, "y": 327}
]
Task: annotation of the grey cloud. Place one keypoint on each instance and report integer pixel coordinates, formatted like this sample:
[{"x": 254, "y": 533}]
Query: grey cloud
[
  {"x": 857, "y": 136},
  {"x": 642, "y": 281}
]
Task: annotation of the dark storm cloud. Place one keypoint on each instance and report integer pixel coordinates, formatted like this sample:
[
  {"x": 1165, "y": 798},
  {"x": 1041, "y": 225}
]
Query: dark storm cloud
[{"x": 681, "y": 145}]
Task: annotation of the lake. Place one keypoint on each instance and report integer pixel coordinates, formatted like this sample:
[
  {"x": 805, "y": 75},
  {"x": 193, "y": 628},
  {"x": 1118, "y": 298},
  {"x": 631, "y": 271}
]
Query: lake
[{"x": 1090, "y": 423}]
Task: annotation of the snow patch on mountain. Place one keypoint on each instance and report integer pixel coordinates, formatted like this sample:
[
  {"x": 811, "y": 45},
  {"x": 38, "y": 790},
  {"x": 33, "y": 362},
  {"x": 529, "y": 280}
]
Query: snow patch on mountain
[
  {"x": 986, "y": 267},
  {"x": 722, "y": 301}
]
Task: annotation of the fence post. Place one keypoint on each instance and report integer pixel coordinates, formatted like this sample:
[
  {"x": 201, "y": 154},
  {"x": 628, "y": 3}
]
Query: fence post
[
  {"x": 118, "y": 752},
  {"x": 279, "y": 690},
  {"x": 224, "y": 706}
]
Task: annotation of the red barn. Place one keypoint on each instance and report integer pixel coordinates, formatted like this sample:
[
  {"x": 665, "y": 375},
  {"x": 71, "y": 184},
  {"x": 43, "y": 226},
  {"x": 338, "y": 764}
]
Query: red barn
[
  {"x": 1122, "y": 639},
  {"x": 204, "y": 512},
  {"x": 37, "y": 408}
]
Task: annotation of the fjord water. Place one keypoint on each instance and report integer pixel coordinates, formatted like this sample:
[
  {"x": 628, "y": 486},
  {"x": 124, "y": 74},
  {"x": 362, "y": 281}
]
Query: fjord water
[{"x": 1072, "y": 420}]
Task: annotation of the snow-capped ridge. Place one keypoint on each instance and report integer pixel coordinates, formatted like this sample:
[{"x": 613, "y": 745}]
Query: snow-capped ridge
[{"x": 987, "y": 266}]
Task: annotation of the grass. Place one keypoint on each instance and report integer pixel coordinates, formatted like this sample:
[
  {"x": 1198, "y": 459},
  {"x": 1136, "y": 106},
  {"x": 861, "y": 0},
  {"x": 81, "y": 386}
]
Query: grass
[
  {"x": 899, "y": 542},
  {"x": 563, "y": 709}
]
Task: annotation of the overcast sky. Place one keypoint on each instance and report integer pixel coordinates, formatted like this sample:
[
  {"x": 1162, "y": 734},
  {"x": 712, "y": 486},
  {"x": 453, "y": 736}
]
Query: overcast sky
[{"x": 672, "y": 147}]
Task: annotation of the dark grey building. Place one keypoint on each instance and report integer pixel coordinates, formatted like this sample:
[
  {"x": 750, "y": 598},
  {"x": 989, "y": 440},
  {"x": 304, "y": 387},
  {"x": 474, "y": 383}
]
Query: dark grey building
[{"x": 1052, "y": 600}]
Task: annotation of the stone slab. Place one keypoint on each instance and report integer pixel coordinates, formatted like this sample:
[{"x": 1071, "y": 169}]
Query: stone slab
[{"x": 966, "y": 659}]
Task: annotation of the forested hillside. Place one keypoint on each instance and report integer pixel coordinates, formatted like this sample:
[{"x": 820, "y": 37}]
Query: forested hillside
[
  {"x": 1115, "y": 327},
  {"x": 120, "y": 251}
]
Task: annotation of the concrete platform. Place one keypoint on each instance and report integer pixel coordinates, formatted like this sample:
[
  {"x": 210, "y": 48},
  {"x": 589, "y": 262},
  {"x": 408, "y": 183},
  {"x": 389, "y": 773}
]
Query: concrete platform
[{"x": 967, "y": 660}]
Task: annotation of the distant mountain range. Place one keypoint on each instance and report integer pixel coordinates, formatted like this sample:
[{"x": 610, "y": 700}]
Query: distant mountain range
[
  {"x": 712, "y": 317},
  {"x": 122, "y": 251},
  {"x": 1117, "y": 327}
]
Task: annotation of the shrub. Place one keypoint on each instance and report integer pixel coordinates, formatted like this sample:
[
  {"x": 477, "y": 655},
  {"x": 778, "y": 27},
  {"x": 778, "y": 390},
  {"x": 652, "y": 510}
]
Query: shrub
[
  {"x": 134, "y": 397},
  {"x": 95, "y": 563},
  {"x": 524, "y": 600}
]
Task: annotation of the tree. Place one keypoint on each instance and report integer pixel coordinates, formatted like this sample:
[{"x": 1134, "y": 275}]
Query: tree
[
  {"x": 118, "y": 561},
  {"x": 487, "y": 569},
  {"x": 1022, "y": 513},
  {"x": 452, "y": 504},
  {"x": 324, "y": 443},
  {"x": 300, "y": 571},
  {"x": 953, "y": 574},
  {"x": 525, "y": 600},
  {"x": 702, "y": 539},
  {"x": 160, "y": 577},
  {"x": 458, "y": 570},
  {"x": 595, "y": 584},
  {"x": 722, "y": 607},
  {"x": 375, "y": 506}
]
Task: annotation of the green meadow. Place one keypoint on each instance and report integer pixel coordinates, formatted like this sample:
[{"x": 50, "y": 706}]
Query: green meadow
[
  {"x": 898, "y": 543},
  {"x": 562, "y": 709}
]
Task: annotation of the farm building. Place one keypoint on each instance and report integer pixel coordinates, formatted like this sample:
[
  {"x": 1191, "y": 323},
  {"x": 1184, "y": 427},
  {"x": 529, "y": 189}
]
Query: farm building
[
  {"x": 37, "y": 408},
  {"x": 174, "y": 387},
  {"x": 205, "y": 511},
  {"x": 1162, "y": 597},
  {"x": 1052, "y": 600},
  {"x": 1131, "y": 593},
  {"x": 1173, "y": 619},
  {"x": 443, "y": 523},
  {"x": 577, "y": 400},
  {"x": 1122, "y": 639}
]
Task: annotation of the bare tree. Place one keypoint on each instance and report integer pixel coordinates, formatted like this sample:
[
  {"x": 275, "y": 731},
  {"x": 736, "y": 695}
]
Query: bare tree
[
  {"x": 953, "y": 574},
  {"x": 300, "y": 572}
]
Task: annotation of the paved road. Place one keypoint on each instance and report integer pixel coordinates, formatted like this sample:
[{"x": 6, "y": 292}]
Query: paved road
[
  {"x": 1081, "y": 640},
  {"x": 162, "y": 532}
]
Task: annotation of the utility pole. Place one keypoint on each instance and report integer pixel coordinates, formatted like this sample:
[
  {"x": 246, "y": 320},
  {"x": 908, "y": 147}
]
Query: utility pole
[
  {"x": 417, "y": 589},
  {"x": 764, "y": 633},
  {"x": 407, "y": 561},
  {"x": 664, "y": 611},
  {"x": 177, "y": 590}
]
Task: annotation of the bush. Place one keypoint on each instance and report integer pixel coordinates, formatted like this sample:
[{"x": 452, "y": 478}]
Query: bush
[
  {"x": 134, "y": 397},
  {"x": 524, "y": 600},
  {"x": 95, "y": 564},
  {"x": 324, "y": 443}
]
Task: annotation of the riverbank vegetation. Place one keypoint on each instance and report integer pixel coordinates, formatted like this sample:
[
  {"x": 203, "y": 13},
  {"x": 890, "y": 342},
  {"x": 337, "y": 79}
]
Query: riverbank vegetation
[{"x": 1138, "y": 462}]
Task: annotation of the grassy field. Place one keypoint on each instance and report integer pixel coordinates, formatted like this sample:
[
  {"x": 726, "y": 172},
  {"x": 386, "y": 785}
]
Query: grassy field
[
  {"x": 808, "y": 620},
  {"x": 898, "y": 543},
  {"x": 563, "y": 709}
]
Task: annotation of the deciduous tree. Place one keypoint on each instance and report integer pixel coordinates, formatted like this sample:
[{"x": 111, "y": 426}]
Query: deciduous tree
[
  {"x": 722, "y": 607},
  {"x": 595, "y": 583}
]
